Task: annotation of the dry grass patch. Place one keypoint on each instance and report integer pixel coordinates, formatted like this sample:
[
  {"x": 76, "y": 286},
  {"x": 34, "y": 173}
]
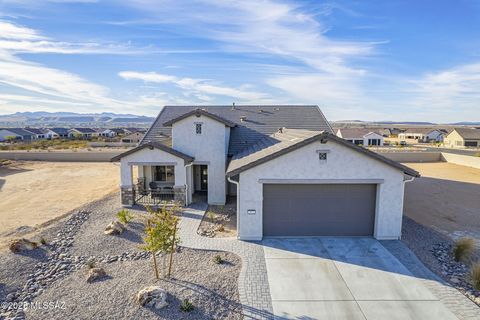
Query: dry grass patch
[
  {"x": 475, "y": 275},
  {"x": 463, "y": 249}
]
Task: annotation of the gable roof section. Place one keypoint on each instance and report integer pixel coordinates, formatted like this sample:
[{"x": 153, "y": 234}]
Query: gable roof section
[
  {"x": 290, "y": 140},
  {"x": 467, "y": 133},
  {"x": 154, "y": 145},
  {"x": 85, "y": 130},
  {"x": 20, "y": 132},
  {"x": 259, "y": 122},
  {"x": 198, "y": 113},
  {"x": 420, "y": 130},
  {"x": 352, "y": 133}
]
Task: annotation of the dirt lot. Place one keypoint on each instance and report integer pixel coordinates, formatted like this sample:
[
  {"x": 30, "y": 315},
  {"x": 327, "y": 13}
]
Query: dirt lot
[
  {"x": 34, "y": 193},
  {"x": 446, "y": 198}
]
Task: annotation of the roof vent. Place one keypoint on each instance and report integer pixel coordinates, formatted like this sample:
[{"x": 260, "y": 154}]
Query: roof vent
[
  {"x": 243, "y": 118},
  {"x": 233, "y": 105}
]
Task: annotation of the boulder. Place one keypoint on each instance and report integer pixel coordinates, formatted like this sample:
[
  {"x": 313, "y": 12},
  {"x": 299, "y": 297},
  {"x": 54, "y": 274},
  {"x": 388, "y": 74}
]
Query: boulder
[
  {"x": 95, "y": 274},
  {"x": 153, "y": 296},
  {"x": 19, "y": 245},
  {"x": 114, "y": 227}
]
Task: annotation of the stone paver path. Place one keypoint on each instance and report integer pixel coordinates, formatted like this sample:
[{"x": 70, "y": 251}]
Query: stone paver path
[{"x": 253, "y": 282}]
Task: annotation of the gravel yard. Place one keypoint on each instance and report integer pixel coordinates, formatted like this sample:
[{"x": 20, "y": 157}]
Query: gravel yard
[
  {"x": 224, "y": 222},
  {"x": 56, "y": 272}
]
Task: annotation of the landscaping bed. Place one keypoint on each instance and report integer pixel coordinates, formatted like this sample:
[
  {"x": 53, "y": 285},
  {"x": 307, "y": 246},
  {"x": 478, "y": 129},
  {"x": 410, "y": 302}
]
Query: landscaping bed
[
  {"x": 220, "y": 221},
  {"x": 435, "y": 251},
  {"x": 56, "y": 273}
]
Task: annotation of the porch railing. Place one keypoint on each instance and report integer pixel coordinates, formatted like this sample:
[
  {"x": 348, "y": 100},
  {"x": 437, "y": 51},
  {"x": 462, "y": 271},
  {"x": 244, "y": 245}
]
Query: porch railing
[{"x": 153, "y": 197}]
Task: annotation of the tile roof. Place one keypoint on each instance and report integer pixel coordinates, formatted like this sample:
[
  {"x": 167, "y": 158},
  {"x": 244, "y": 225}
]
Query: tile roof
[
  {"x": 259, "y": 121},
  {"x": 467, "y": 133},
  {"x": 85, "y": 130},
  {"x": 199, "y": 112},
  {"x": 420, "y": 130},
  {"x": 288, "y": 140},
  {"x": 154, "y": 145},
  {"x": 34, "y": 130},
  {"x": 20, "y": 132},
  {"x": 351, "y": 133}
]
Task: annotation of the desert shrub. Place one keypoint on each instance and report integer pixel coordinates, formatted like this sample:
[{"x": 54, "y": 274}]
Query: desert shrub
[
  {"x": 218, "y": 259},
  {"x": 186, "y": 306},
  {"x": 90, "y": 264},
  {"x": 124, "y": 216},
  {"x": 475, "y": 275},
  {"x": 43, "y": 241},
  {"x": 463, "y": 249},
  {"x": 211, "y": 216}
]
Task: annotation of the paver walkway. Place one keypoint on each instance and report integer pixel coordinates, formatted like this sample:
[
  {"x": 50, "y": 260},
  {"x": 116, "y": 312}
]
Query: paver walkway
[{"x": 253, "y": 282}]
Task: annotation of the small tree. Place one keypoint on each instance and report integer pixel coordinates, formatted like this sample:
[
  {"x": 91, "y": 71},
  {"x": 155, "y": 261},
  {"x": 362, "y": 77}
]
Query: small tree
[
  {"x": 10, "y": 139},
  {"x": 161, "y": 234}
]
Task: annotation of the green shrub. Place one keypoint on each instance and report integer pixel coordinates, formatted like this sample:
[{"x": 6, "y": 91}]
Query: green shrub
[
  {"x": 211, "y": 216},
  {"x": 186, "y": 306},
  {"x": 475, "y": 275},
  {"x": 124, "y": 216},
  {"x": 90, "y": 264},
  {"x": 463, "y": 249},
  {"x": 218, "y": 259},
  {"x": 43, "y": 241}
]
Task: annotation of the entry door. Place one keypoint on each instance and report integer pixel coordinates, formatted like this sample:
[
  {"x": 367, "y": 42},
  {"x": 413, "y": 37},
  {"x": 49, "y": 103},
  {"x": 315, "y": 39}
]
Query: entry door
[{"x": 203, "y": 178}]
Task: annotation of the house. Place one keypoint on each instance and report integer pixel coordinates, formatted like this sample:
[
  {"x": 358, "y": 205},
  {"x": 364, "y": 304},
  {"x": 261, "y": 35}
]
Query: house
[
  {"x": 118, "y": 131},
  {"x": 36, "y": 133},
  {"x": 422, "y": 135},
  {"x": 106, "y": 133},
  {"x": 391, "y": 132},
  {"x": 291, "y": 175},
  {"x": 133, "y": 138},
  {"x": 56, "y": 133},
  {"x": 463, "y": 137},
  {"x": 361, "y": 136},
  {"x": 18, "y": 133},
  {"x": 82, "y": 133}
]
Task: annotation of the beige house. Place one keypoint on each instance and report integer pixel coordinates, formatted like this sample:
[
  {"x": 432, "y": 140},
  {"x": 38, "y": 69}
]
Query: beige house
[
  {"x": 463, "y": 137},
  {"x": 135, "y": 137}
]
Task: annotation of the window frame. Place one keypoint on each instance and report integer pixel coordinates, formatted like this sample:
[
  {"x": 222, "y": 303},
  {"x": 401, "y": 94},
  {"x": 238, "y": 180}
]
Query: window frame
[{"x": 168, "y": 171}]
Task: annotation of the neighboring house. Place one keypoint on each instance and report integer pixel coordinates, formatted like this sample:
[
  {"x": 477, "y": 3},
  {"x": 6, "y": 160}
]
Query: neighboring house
[
  {"x": 118, "y": 131},
  {"x": 18, "y": 133},
  {"x": 361, "y": 136},
  {"x": 291, "y": 175},
  {"x": 463, "y": 137},
  {"x": 37, "y": 133},
  {"x": 109, "y": 133},
  {"x": 422, "y": 135},
  {"x": 133, "y": 138},
  {"x": 391, "y": 132},
  {"x": 56, "y": 133},
  {"x": 82, "y": 132}
]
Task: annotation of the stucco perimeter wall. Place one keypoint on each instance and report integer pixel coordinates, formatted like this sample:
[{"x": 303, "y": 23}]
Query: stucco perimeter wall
[
  {"x": 413, "y": 156},
  {"x": 79, "y": 156},
  {"x": 208, "y": 148},
  {"x": 151, "y": 157},
  {"x": 468, "y": 161},
  {"x": 342, "y": 163}
]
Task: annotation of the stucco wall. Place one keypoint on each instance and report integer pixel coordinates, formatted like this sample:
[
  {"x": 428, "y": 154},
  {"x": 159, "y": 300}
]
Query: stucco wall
[
  {"x": 469, "y": 161},
  {"x": 413, "y": 156},
  {"x": 209, "y": 148},
  {"x": 342, "y": 163},
  {"x": 151, "y": 157}
]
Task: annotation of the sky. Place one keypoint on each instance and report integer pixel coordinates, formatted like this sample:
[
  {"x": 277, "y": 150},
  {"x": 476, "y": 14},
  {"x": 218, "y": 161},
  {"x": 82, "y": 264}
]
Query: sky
[{"x": 403, "y": 60}]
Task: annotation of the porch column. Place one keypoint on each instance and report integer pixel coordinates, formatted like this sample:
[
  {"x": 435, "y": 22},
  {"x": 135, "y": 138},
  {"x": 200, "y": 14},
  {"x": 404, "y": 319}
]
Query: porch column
[{"x": 126, "y": 184}]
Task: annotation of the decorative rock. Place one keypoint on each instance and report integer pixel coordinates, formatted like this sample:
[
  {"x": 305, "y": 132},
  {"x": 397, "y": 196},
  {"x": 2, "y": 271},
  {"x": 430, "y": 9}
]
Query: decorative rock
[
  {"x": 19, "y": 245},
  {"x": 115, "y": 227},
  {"x": 153, "y": 296},
  {"x": 95, "y": 274}
]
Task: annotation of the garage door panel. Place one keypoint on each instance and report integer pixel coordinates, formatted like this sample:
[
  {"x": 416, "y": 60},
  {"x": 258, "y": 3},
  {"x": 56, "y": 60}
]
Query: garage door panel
[{"x": 318, "y": 210}]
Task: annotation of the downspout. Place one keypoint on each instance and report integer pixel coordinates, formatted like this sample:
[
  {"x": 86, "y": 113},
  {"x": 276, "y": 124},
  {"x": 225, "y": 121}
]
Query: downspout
[
  {"x": 186, "y": 184},
  {"x": 238, "y": 203},
  {"x": 405, "y": 182}
]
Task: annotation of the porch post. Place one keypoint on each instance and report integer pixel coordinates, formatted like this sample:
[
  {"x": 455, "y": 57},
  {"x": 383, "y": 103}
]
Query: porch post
[{"x": 126, "y": 184}]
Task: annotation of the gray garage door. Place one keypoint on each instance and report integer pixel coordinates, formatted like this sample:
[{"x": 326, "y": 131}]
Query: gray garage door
[{"x": 318, "y": 209}]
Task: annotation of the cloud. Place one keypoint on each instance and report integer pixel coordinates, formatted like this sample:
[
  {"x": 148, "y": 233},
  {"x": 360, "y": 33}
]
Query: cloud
[{"x": 200, "y": 88}]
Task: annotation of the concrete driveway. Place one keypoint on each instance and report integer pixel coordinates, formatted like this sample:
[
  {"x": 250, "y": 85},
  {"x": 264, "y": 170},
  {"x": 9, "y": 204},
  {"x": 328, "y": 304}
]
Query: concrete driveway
[{"x": 344, "y": 278}]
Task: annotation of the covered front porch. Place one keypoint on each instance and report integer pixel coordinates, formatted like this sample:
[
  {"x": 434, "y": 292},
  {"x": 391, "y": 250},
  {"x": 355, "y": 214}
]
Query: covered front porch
[{"x": 155, "y": 174}]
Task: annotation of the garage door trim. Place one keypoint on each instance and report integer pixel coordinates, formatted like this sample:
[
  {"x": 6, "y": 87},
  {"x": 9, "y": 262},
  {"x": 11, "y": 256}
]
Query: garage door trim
[{"x": 321, "y": 181}]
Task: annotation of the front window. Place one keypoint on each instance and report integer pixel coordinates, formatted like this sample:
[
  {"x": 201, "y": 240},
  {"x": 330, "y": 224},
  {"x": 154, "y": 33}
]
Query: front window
[
  {"x": 164, "y": 173},
  {"x": 198, "y": 128}
]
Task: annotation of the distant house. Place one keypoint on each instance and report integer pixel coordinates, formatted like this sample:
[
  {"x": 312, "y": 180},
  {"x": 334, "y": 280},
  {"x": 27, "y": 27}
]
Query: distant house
[
  {"x": 133, "y": 138},
  {"x": 109, "y": 133},
  {"x": 18, "y": 133},
  {"x": 391, "y": 132},
  {"x": 422, "y": 134},
  {"x": 57, "y": 133},
  {"x": 463, "y": 137},
  {"x": 361, "y": 136},
  {"x": 82, "y": 132},
  {"x": 118, "y": 131},
  {"x": 37, "y": 133},
  {"x": 133, "y": 130}
]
